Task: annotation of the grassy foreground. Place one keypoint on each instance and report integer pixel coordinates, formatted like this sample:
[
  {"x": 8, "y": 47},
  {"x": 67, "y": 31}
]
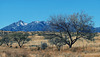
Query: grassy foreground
[{"x": 81, "y": 48}]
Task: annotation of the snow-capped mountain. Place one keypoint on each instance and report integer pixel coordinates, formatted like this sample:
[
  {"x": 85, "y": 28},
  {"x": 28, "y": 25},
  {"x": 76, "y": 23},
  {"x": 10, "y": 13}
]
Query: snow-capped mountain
[
  {"x": 36, "y": 26},
  {"x": 22, "y": 26},
  {"x": 17, "y": 26},
  {"x": 33, "y": 26},
  {"x": 21, "y": 23}
]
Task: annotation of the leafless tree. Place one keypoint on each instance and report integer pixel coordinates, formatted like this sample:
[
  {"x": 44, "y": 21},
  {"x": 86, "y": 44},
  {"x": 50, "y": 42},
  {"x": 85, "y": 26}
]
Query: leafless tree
[
  {"x": 21, "y": 38},
  {"x": 73, "y": 27},
  {"x": 6, "y": 39}
]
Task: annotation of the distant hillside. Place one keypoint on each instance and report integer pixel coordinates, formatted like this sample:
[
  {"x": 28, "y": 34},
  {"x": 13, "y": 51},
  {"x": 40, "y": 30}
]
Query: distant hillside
[
  {"x": 22, "y": 26},
  {"x": 33, "y": 26},
  {"x": 97, "y": 29}
]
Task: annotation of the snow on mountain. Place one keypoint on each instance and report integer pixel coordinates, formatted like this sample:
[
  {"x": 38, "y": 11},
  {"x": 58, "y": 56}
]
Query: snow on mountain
[
  {"x": 37, "y": 21},
  {"x": 36, "y": 26},
  {"x": 17, "y": 26},
  {"x": 22, "y": 26},
  {"x": 33, "y": 26},
  {"x": 21, "y": 23}
]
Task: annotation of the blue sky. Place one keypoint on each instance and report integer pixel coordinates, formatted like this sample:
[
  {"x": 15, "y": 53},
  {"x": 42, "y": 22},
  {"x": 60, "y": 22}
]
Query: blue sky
[{"x": 40, "y": 10}]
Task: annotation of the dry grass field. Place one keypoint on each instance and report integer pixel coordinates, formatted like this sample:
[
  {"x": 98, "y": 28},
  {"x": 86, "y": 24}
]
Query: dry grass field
[{"x": 81, "y": 48}]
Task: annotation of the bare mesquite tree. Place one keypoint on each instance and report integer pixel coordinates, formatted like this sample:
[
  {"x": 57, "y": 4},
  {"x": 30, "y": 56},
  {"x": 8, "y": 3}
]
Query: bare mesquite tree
[
  {"x": 73, "y": 27},
  {"x": 21, "y": 38},
  {"x": 6, "y": 39}
]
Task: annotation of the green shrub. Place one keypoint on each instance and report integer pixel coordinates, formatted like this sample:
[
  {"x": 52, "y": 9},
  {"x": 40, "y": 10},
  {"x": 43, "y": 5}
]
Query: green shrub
[{"x": 43, "y": 46}]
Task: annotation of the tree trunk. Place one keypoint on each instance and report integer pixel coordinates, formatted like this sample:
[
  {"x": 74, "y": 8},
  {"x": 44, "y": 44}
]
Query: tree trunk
[
  {"x": 19, "y": 44},
  {"x": 70, "y": 46},
  {"x": 58, "y": 48},
  {"x": 7, "y": 44}
]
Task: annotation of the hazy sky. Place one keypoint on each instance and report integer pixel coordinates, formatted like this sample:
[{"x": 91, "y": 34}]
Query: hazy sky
[{"x": 40, "y": 10}]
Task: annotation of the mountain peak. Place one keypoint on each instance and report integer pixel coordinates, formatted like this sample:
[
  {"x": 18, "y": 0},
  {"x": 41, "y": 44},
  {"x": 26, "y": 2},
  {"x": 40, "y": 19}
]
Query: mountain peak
[
  {"x": 22, "y": 26},
  {"x": 33, "y": 26},
  {"x": 20, "y": 22},
  {"x": 35, "y": 22}
]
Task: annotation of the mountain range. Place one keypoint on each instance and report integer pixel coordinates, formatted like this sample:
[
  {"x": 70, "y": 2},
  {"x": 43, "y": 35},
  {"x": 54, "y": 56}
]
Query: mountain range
[
  {"x": 22, "y": 26},
  {"x": 33, "y": 26}
]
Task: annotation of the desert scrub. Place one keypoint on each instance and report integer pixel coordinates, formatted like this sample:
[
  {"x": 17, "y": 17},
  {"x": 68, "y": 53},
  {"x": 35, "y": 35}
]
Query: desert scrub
[
  {"x": 16, "y": 54},
  {"x": 43, "y": 46}
]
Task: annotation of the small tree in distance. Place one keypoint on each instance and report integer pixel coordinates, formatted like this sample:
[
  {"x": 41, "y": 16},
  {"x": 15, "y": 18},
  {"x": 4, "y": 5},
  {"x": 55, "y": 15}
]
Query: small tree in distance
[
  {"x": 21, "y": 38},
  {"x": 58, "y": 42},
  {"x": 73, "y": 27},
  {"x": 6, "y": 39}
]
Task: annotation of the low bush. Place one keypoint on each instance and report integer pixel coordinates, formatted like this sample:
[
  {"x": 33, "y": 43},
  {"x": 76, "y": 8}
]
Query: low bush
[{"x": 43, "y": 46}]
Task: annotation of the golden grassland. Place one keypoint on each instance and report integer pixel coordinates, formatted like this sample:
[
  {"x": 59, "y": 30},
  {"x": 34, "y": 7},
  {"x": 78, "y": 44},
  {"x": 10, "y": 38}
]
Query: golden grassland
[{"x": 81, "y": 48}]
